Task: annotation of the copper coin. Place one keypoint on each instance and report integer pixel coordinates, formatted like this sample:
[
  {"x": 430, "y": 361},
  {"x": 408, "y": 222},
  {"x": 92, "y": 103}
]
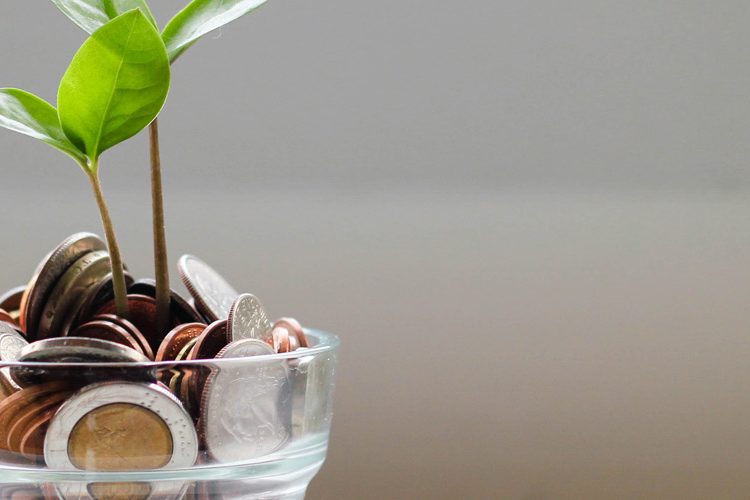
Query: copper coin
[
  {"x": 295, "y": 329},
  {"x": 93, "y": 298},
  {"x": 129, "y": 327},
  {"x": 30, "y": 413},
  {"x": 176, "y": 340},
  {"x": 142, "y": 315},
  {"x": 210, "y": 342},
  {"x": 5, "y": 316},
  {"x": 180, "y": 310},
  {"x": 11, "y": 300},
  {"x": 49, "y": 271},
  {"x": 11, "y": 406},
  {"x": 32, "y": 442},
  {"x": 105, "y": 330},
  {"x": 280, "y": 337}
]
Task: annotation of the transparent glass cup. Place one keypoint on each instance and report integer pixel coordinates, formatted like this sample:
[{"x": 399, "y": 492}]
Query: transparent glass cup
[{"x": 251, "y": 427}]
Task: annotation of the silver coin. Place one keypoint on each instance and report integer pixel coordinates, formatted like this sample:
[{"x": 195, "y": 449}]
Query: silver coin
[
  {"x": 246, "y": 406},
  {"x": 52, "y": 267},
  {"x": 148, "y": 396},
  {"x": 11, "y": 345},
  {"x": 79, "y": 350},
  {"x": 212, "y": 293},
  {"x": 85, "y": 272},
  {"x": 248, "y": 319}
]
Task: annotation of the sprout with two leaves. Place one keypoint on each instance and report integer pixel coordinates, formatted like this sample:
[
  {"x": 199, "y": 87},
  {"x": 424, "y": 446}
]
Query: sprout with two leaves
[{"x": 115, "y": 87}]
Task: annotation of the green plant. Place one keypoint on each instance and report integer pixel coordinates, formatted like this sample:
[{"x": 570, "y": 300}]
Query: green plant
[
  {"x": 115, "y": 86},
  {"x": 197, "y": 19}
]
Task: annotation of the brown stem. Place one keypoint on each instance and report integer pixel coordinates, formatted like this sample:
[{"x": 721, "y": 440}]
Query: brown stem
[
  {"x": 118, "y": 274},
  {"x": 161, "y": 265}
]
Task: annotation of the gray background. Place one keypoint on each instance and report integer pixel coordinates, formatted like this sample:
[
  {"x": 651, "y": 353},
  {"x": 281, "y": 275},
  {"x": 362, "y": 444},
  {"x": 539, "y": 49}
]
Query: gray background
[{"x": 527, "y": 220}]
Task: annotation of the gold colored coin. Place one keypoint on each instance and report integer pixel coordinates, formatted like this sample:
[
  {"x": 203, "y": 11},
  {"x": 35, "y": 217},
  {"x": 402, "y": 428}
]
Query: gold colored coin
[
  {"x": 120, "y": 437},
  {"x": 120, "y": 491}
]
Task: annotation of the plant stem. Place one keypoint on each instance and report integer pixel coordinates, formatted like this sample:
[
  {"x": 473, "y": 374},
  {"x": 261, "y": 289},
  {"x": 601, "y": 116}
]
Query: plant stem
[
  {"x": 118, "y": 274},
  {"x": 161, "y": 265}
]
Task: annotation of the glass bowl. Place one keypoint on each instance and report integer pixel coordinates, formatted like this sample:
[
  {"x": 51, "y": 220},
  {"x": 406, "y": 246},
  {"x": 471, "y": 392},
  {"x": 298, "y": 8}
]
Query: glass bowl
[{"x": 234, "y": 427}]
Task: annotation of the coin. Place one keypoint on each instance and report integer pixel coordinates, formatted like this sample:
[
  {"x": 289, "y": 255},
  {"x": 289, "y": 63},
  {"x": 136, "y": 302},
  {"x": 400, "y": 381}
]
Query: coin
[
  {"x": 6, "y": 317},
  {"x": 86, "y": 271},
  {"x": 175, "y": 340},
  {"x": 248, "y": 319},
  {"x": 145, "y": 348},
  {"x": 295, "y": 330},
  {"x": 12, "y": 405},
  {"x": 20, "y": 424},
  {"x": 281, "y": 339},
  {"x": 11, "y": 345},
  {"x": 120, "y": 426},
  {"x": 92, "y": 299},
  {"x": 61, "y": 352},
  {"x": 210, "y": 342},
  {"x": 11, "y": 300},
  {"x": 49, "y": 271},
  {"x": 212, "y": 293},
  {"x": 181, "y": 311},
  {"x": 105, "y": 330},
  {"x": 246, "y": 408},
  {"x": 142, "y": 314}
]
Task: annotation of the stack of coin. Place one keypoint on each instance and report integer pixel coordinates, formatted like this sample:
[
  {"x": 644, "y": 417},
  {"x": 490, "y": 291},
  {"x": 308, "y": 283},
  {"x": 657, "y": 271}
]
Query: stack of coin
[{"x": 79, "y": 391}]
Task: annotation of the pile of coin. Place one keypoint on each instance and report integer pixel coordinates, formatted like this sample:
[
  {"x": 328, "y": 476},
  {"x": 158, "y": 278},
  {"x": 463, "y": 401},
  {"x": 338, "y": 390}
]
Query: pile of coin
[{"x": 79, "y": 389}]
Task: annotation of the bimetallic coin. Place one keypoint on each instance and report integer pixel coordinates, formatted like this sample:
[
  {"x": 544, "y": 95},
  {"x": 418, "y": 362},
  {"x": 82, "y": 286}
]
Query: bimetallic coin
[
  {"x": 85, "y": 272},
  {"x": 246, "y": 407},
  {"x": 248, "y": 319},
  {"x": 212, "y": 293},
  {"x": 49, "y": 271},
  {"x": 121, "y": 426}
]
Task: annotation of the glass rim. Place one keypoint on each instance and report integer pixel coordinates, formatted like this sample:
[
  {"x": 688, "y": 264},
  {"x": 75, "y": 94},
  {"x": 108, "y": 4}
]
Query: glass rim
[{"x": 327, "y": 342}]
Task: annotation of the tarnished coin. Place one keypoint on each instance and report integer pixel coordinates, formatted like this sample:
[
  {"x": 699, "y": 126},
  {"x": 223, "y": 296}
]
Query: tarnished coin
[
  {"x": 121, "y": 426},
  {"x": 25, "y": 418},
  {"x": 49, "y": 271},
  {"x": 86, "y": 271},
  {"x": 129, "y": 327},
  {"x": 212, "y": 293},
  {"x": 248, "y": 319},
  {"x": 65, "y": 350},
  {"x": 176, "y": 340},
  {"x": 246, "y": 407},
  {"x": 181, "y": 311},
  {"x": 6, "y": 317},
  {"x": 11, "y": 406}
]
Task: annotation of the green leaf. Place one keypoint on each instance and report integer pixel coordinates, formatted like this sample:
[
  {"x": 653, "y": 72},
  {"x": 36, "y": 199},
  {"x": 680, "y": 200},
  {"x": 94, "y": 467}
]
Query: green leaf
[
  {"x": 91, "y": 15},
  {"x": 201, "y": 17},
  {"x": 27, "y": 114},
  {"x": 115, "y": 86}
]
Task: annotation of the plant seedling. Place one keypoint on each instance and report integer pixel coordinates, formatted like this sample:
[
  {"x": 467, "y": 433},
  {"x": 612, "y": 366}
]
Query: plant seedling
[
  {"x": 197, "y": 19},
  {"x": 115, "y": 86}
]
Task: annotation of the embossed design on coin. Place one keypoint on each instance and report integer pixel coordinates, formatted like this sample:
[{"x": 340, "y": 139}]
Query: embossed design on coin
[
  {"x": 246, "y": 408},
  {"x": 248, "y": 319},
  {"x": 49, "y": 271},
  {"x": 213, "y": 294},
  {"x": 11, "y": 345},
  {"x": 120, "y": 426}
]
